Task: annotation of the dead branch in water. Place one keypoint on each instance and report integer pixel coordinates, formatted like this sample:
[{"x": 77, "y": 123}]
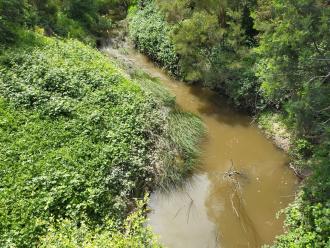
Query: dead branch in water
[
  {"x": 231, "y": 175},
  {"x": 217, "y": 238},
  {"x": 297, "y": 172},
  {"x": 233, "y": 206},
  {"x": 189, "y": 208},
  {"x": 232, "y": 172},
  {"x": 177, "y": 212},
  {"x": 190, "y": 205}
]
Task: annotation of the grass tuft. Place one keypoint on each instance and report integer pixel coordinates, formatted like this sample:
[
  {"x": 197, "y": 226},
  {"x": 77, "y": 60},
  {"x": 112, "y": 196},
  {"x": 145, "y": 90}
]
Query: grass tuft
[{"x": 185, "y": 131}]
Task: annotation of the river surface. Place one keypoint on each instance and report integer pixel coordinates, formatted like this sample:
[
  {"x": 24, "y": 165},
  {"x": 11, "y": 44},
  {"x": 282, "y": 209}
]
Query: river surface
[{"x": 242, "y": 183}]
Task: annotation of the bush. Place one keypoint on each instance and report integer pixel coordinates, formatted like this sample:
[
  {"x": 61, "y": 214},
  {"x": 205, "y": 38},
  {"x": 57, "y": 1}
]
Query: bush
[
  {"x": 11, "y": 16},
  {"x": 150, "y": 33},
  {"x": 235, "y": 79},
  {"x": 134, "y": 235},
  {"x": 196, "y": 48}
]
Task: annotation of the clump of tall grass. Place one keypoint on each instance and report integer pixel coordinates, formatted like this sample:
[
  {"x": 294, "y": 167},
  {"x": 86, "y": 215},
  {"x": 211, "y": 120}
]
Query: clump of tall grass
[{"x": 185, "y": 131}]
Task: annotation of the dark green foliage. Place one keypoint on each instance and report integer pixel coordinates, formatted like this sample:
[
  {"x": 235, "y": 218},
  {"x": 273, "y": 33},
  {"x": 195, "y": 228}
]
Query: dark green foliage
[
  {"x": 294, "y": 49},
  {"x": 193, "y": 38},
  {"x": 86, "y": 20},
  {"x": 83, "y": 10},
  {"x": 77, "y": 140},
  {"x": 44, "y": 14},
  {"x": 235, "y": 79},
  {"x": 207, "y": 40},
  {"x": 293, "y": 67},
  {"x": 87, "y": 12},
  {"x": 11, "y": 14},
  {"x": 150, "y": 34}
]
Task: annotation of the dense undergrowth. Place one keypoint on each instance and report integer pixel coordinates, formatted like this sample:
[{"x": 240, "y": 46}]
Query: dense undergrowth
[
  {"x": 131, "y": 234},
  {"x": 151, "y": 36},
  {"x": 88, "y": 20},
  {"x": 270, "y": 57},
  {"x": 79, "y": 142}
]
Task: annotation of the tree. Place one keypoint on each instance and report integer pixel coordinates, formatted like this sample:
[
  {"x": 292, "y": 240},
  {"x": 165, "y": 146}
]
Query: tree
[
  {"x": 295, "y": 58},
  {"x": 193, "y": 39},
  {"x": 11, "y": 16}
]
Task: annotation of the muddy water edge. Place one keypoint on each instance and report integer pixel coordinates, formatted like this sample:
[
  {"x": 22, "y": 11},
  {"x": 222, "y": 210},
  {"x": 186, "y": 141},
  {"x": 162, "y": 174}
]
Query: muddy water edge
[{"x": 242, "y": 183}]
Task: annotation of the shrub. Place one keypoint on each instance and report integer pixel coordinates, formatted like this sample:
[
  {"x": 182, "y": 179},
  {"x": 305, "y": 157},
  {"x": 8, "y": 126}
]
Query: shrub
[
  {"x": 134, "y": 235},
  {"x": 150, "y": 33}
]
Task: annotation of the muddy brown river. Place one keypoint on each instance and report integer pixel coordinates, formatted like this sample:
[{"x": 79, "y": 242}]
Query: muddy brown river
[{"x": 242, "y": 183}]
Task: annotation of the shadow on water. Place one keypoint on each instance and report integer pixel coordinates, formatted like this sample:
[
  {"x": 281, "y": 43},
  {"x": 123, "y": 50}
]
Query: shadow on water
[{"x": 217, "y": 107}]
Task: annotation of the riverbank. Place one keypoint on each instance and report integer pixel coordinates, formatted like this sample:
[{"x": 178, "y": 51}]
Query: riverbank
[
  {"x": 275, "y": 129},
  {"x": 185, "y": 130},
  {"x": 80, "y": 142}
]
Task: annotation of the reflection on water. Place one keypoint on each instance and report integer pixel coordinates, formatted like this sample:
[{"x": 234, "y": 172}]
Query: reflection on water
[
  {"x": 215, "y": 210},
  {"x": 183, "y": 215}
]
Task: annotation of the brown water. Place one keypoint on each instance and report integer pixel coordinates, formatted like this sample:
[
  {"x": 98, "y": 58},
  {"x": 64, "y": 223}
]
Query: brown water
[{"x": 215, "y": 210}]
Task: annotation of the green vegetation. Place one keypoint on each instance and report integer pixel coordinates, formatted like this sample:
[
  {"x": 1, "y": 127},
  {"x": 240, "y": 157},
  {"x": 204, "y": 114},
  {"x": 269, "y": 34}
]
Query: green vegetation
[
  {"x": 200, "y": 41},
  {"x": 135, "y": 235},
  {"x": 294, "y": 74},
  {"x": 180, "y": 144},
  {"x": 86, "y": 20},
  {"x": 79, "y": 142},
  {"x": 308, "y": 218},
  {"x": 150, "y": 34},
  {"x": 270, "y": 57},
  {"x": 185, "y": 131}
]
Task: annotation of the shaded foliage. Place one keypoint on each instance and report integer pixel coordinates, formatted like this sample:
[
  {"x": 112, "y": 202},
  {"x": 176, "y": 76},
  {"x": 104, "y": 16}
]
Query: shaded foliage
[
  {"x": 151, "y": 36},
  {"x": 210, "y": 41},
  {"x": 294, "y": 60},
  {"x": 294, "y": 71},
  {"x": 11, "y": 14},
  {"x": 86, "y": 20}
]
